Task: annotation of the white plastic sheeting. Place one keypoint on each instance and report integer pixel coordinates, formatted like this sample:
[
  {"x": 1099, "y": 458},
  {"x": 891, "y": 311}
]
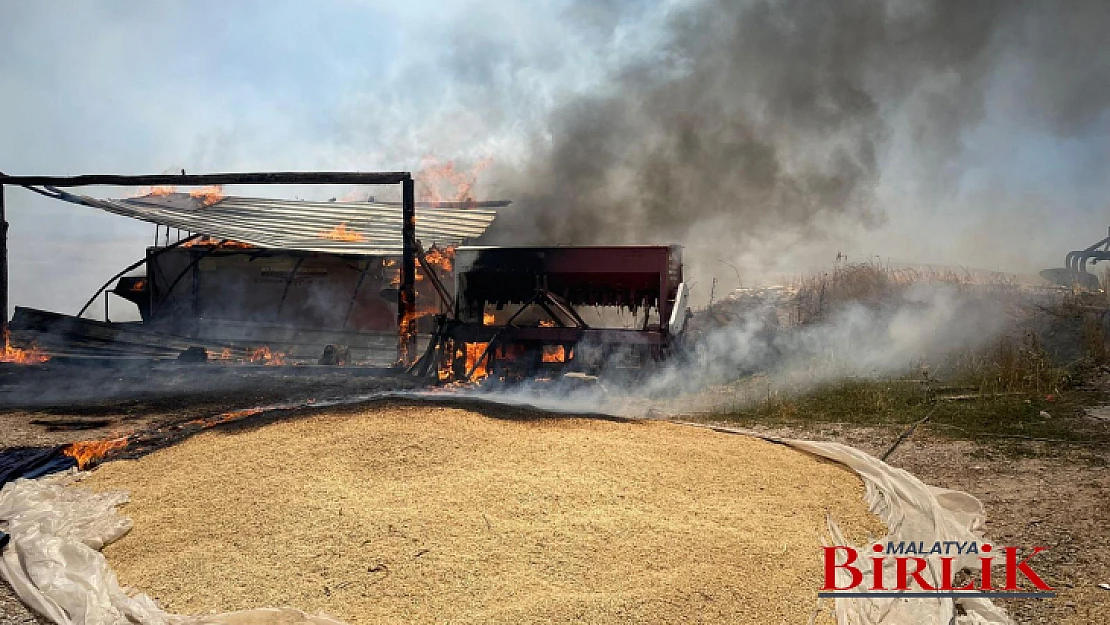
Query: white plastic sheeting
[
  {"x": 913, "y": 512},
  {"x": 54, "y": 564}
]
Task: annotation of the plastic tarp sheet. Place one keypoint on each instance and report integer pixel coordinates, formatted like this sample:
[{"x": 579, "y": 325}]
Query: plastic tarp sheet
[
  {"x": 53, "y": 560},
  {"x": 32, "y": 462}
]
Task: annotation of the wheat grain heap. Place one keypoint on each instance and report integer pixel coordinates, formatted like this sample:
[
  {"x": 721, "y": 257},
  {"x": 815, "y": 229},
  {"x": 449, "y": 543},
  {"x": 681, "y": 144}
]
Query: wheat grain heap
[{"x": 418, "y": 513}]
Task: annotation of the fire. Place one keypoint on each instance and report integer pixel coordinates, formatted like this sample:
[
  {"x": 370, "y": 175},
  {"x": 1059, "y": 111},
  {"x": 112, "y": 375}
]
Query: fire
[
  {"x": 158, "y": 191},
  {"x": 474, "y": 351},
  {"x": 212, "y": 242},
  {"x": 547, "y": 323},
  {"x": 554, "y": 353},
  {"x": 28, "y": 356},
  {"x": 87, "y": 453},
  {"x": 139, "y": 285},
  {"x": 224, "y": 417},
  {"x": 442, "y": 182},
  {"x": 441, "y": 260},
  {"x": 239, "y": 414},
  {"x": 208, "y": 195},
  {"x": 265, "y": 356},
  {"x": 488, "y": 319},
  {"x": 343, "y": 233}
]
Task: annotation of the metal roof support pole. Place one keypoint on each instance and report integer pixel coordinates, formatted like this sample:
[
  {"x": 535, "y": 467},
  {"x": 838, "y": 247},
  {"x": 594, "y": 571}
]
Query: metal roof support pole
[
  {"x": 3, "y": 265},
  {"x": 406, "y": 294}
]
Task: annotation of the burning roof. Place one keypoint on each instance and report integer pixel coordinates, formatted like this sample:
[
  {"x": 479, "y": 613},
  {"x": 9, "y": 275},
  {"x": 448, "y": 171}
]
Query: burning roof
[{"x": 364, "y": 228}]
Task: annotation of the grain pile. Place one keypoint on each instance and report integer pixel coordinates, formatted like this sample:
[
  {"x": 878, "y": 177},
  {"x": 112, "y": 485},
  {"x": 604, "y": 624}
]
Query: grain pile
[{"x": 416, "y": 513}]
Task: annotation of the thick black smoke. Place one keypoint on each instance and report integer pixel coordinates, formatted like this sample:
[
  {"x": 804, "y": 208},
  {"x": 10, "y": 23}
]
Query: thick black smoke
[{"x": 771, "y": 116}]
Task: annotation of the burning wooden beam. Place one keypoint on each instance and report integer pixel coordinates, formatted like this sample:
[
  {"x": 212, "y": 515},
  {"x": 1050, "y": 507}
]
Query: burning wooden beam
[{"x": 406, "y": 294}]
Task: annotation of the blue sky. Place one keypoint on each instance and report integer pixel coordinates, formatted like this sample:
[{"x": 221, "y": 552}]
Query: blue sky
[{"x": 141, "y": 87}]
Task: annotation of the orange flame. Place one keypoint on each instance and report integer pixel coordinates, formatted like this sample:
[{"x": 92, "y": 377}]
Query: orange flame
[
  {"x": 442, "y": 260},
  {"x": 343, "y": 233},
  {"x": 211, "y": 242},
  {"x": 87, "y": 453},
  {"x": 265, "y": 356},
  {"x": 554, "y": 353},
  {"x": 239, "y": 414},
  {"x": 157, "y": 191},
  {"x": 139, "y": 285},
  {"x": 226, "y": 416},
  {"x": 474, "y": 351},
  {"x": 28, "y": 356},
  {"x": 488, "y": 319},
  {"x": 208, "y": 195},
  {"x": 442, "y": 182}
]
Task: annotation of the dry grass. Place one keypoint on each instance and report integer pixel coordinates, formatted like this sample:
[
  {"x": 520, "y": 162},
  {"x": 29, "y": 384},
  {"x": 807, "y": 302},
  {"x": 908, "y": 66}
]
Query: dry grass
[
  {"x": 404, "y": 513},
  {"x": 874, "y": 284}
]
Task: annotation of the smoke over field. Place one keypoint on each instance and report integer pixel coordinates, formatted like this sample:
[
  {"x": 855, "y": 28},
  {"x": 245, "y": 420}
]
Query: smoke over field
[{"x": 764, "y": 133}]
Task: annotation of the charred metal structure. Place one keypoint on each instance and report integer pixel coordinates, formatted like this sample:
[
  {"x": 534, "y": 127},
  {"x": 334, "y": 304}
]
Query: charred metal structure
[
  {"x": 522, "y": 310},
  {"x": 51, "y": 186}
]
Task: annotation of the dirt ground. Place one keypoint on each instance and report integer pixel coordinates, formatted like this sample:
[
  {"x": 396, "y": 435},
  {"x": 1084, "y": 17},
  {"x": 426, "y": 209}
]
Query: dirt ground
[{"x": 1052, "y": 494}]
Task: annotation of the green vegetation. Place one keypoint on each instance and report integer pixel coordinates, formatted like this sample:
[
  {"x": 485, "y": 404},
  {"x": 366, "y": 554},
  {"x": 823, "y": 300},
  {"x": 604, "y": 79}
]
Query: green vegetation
[
  {"x": 1029, "y": 386},
  {"x": 1012, "y": 393}
]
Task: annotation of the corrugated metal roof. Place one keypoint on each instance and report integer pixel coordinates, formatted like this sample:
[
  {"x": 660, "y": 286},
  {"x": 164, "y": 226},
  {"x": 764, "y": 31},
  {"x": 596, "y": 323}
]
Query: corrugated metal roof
[{"x": 300, "y": 225}]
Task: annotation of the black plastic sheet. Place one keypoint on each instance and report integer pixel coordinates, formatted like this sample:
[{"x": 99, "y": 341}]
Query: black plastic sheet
[{"x": 32, "y": 462}]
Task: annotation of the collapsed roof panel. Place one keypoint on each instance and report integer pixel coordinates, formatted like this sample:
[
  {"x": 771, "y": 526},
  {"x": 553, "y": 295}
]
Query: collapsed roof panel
[{"x": 357, "y": 228}]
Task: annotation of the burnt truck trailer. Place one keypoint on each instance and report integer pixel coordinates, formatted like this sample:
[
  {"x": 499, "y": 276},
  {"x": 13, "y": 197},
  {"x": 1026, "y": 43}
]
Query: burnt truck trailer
[{"x": 523, "y": 311}]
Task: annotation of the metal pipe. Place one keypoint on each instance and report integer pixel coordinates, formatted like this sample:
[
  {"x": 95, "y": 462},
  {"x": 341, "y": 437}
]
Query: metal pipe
[
  {"x": 288, "y": 283},
  {"x": 129, "y": 268},
  {"x": 354, "y": 295},
  {"x": 187, "y": 269}
]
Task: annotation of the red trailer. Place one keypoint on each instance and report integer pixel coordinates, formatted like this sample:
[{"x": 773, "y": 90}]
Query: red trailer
[{"x": 524, "y": 311}]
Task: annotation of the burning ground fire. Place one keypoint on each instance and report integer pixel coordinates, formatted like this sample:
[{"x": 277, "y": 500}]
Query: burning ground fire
[
  {"x": 28, "y": 356},
  {"x": 90, "y": 453},
  {"x": 258, "y": 355},
  {"x": 265, "y": 356},
  {"x": 87, "y": 453}
]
